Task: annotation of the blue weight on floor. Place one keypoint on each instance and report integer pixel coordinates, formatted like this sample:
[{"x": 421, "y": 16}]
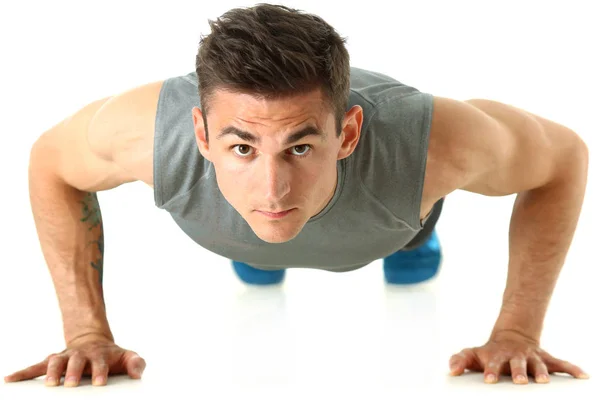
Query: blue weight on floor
[
  {"x": 254, "y": 276},
  {"x": 414, "y": 266}
]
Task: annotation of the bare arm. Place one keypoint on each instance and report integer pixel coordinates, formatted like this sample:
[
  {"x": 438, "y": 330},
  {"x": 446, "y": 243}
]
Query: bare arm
[
  {"x": 105, "y": 144},
  {"x": 496, "y": 149},
  {"x": 69, "y": 165},
  {"x": 70, "y": 230},
  {"x": 545, "y": 164},
  {"x": 542, "y": 227}
]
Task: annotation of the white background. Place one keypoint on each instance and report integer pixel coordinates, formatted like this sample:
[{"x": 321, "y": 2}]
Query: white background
[{"x": 322, "y": 336}]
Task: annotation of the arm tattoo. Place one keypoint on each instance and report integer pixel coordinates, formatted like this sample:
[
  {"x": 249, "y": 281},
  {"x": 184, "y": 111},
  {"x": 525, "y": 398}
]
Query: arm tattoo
[{"x": 91, "y": 214}]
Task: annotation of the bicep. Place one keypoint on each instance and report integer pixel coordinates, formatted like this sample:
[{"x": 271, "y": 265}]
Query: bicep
[
  {"x": 539, "y": 150},
  {"x": 65, "y": 152},
  {"x": 123, "y": 131},
  {"x": 491, "y": 148},
  {"x": 107, "y": 143}
]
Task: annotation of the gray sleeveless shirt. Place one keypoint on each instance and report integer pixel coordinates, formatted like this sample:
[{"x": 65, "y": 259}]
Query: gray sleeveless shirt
[{"x": 376, "y": 206}]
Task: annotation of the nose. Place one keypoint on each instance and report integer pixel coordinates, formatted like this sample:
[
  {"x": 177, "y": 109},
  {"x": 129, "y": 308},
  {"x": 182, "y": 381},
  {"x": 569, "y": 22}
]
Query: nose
[{"x": 276, "y": 180}]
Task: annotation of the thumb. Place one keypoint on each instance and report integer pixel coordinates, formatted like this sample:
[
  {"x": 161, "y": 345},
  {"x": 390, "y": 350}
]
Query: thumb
[{"x": 134, "y": 364}]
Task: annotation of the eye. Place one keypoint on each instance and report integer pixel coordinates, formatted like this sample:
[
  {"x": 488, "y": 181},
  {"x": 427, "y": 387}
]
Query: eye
[
  {"x": 243, "y": 147},
  {"x": 300, "y": 147}
]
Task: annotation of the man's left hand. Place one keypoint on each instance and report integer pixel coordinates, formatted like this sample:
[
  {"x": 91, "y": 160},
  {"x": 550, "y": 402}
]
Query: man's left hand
[{"x": 511, "y": 355}]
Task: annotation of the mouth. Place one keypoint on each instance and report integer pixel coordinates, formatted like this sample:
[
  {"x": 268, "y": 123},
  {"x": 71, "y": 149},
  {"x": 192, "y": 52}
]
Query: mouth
[{"x": 276, "y": 215}]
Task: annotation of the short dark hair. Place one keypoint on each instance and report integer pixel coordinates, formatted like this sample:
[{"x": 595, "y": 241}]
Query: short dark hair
[{"x": 273, "y": 51}]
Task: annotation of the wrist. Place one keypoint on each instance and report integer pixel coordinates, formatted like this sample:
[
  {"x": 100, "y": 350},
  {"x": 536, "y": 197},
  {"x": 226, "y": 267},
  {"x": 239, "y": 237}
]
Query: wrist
[
  {"x": 86, "y": 322},
  {"x": 522, "y": 320},
  {"x": 90, "y": 335},
  {"x": 513, "y": 334}
]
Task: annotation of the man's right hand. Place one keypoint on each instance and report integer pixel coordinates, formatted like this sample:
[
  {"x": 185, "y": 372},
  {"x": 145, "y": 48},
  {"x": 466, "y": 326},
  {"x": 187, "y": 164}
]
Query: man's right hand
[{"x": 92, "y": 355}]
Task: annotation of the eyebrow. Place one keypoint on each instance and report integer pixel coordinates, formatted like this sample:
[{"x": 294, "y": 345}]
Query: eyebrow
[{"x": 250, "y": 138}]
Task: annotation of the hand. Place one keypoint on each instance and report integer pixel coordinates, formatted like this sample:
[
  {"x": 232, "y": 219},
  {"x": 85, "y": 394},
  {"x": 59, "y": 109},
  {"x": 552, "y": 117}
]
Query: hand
[
  {"x": 95, "y": 355},
  {"x": 511, "y": 354}
]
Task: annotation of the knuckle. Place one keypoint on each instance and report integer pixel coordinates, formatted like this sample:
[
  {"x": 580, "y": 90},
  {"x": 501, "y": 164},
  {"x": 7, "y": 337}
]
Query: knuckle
[
  {"x": 101, "y": 361},
  {"x": 56, "y": 360},
  {"x": 101, "y": 367},
  {"x": 521, "y": 357},
  {"x": 53, "y": 357},
  {"x": 518, "y": 361},
  {"x": 54, "y": 368},
  {"x": 544, "y": 355},
  {"x": 493, "y": 365},
  {"x": 95, "y": 355},
  {"x": 455, "y": 361},
  {"x": 77, "y": 360},
  {"x": 76, "y": 356}
]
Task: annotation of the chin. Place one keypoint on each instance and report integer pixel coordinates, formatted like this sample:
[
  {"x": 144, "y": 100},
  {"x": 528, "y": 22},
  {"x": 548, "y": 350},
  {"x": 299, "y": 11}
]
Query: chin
[
  {"x": 275, "y": 236},
  {"x": 276, "y": 232}
]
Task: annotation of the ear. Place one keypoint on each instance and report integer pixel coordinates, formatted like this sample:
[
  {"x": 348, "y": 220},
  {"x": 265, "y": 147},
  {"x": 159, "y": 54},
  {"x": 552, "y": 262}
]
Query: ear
[
  {"x": 200, "y": 133},
  {"x": 351, "y": 127}
]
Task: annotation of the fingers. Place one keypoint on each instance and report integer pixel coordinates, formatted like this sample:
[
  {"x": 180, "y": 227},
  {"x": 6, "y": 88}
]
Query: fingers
[
  {"x": 99, "y": 360},
  {"x": 518, "y": 369},
  {"x": 56, "y": 368},
  {"x": 539, "y": 370},
  {"x": 561, "y": 366},
  {"x": 517, "y": 359},
  {"x": 37, "y": 370},
  {"x": 491, "y": 372},
  {"x": 99, "y": 372},
  {"x": 135, "y": 365},
  {"x": 464, "y": 360},
  {"x": 458, "y": 364},
  {"x": 74, "y": 370}
]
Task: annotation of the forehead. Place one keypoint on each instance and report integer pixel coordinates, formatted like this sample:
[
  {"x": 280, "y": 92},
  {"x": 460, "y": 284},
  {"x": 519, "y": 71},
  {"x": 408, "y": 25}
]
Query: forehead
[{"x": 227, "y": 105}]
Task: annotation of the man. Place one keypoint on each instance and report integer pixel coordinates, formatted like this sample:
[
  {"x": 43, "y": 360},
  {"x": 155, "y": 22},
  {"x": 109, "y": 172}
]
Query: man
[{"x": 291, "y": 158}]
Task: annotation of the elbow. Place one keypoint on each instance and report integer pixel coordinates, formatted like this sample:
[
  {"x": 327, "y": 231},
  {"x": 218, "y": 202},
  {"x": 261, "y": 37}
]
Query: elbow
[
  {"x": 584, "y": 157},
  {"x": 42, "y": 158},
  {"x": 572, "y": 164},
  {"x": 579, "y": 153},
  {"x": 584, "y": 150}
]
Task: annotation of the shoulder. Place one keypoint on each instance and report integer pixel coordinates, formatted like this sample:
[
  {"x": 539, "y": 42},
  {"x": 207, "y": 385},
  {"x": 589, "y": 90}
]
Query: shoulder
[
  {"x": 122, "y": 129},
  {"x": 491, "y": 148},
  {"x": 463, "y": 141}
]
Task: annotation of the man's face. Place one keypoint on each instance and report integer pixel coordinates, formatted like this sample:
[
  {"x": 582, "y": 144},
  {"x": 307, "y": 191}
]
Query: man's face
[{"x": 272, "y": 175}]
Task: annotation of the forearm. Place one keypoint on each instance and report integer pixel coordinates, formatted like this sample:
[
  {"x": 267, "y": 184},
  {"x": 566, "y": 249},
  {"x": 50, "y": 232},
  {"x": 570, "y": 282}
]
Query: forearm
[
  {"x": 542, "y": 226},
  {"x": 70, "y": 231}
]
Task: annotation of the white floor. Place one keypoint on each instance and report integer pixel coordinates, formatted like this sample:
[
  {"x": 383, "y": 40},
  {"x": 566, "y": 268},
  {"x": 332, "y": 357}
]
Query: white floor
[{"x": 320, "y": 336}]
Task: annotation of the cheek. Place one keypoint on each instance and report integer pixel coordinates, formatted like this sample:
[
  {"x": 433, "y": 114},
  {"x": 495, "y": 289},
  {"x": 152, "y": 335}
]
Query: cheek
[
  {"x": 232, "y": 178},
  {"x": 310, "y": 179},
  {"x": 320, "y": 166}
]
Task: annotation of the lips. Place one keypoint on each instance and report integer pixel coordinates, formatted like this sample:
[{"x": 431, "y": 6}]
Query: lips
[{"x": 275, "y": 215}]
